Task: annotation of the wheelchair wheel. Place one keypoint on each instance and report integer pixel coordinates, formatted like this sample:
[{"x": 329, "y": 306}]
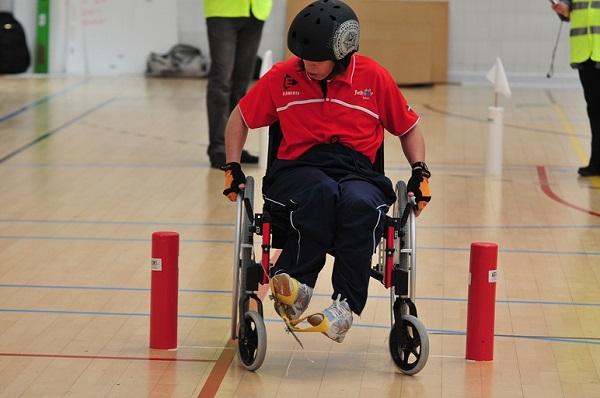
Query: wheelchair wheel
[
  {"x": 242, "y": 252},
  {"x": 252, "y": 341},
  {"x": 401, "y": 259},
  {"x": 411, "y": 356}
]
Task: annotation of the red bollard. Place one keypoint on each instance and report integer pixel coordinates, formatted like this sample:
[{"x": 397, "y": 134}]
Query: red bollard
[
  {"x": 163, "y": 297},
  {"x": 482, "y": 301}
]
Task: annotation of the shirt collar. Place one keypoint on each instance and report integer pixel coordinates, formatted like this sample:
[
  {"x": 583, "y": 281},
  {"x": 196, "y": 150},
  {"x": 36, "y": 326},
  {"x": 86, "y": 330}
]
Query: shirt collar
[
  {"x": 345, "y": 77},
  {"x": 348, "y": 74}
]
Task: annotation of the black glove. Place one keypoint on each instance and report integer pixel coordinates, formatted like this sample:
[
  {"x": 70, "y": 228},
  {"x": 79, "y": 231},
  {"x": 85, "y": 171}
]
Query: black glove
[
  {"x": 418, "y": 184},
  {"x": 234, "y": 176}
]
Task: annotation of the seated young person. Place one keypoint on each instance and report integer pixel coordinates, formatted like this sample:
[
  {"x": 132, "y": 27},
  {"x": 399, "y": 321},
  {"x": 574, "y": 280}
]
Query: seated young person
[{"x": 333, "y": 106}]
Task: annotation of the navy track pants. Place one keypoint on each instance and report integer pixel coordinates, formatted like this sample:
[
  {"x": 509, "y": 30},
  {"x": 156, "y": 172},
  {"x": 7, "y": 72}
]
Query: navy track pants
[{"x": 345, "y": 218}]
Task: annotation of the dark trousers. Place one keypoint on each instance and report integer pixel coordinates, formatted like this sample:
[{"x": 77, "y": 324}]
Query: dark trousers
[
  {"x": 342, "y": 216},
  {"x": 233, "y": 45},
  {"x": 589, "y": 75}
]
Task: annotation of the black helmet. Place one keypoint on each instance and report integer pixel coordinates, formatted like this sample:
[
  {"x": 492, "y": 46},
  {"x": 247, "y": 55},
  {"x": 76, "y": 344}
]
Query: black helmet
[{"x": 324, "y": 30}]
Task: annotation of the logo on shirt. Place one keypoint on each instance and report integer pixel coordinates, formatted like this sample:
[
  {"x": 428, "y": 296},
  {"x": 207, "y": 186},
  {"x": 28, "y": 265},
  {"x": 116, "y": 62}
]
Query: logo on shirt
[
  {"x": 365, "y": 94},
  {"x": 288, "y": 82}
]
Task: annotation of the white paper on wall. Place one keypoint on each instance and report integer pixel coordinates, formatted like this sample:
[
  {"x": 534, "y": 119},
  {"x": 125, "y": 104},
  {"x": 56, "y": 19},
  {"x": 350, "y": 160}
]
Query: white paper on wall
[{"x": 112, "y": 37}]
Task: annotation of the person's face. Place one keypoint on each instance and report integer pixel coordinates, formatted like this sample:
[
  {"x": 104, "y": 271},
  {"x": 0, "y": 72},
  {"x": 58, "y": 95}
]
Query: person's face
[{"x": 318, "y": 70}]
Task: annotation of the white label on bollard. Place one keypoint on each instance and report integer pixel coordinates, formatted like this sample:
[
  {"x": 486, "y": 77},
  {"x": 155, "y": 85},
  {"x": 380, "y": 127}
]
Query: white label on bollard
[
  {"x": 156, "y": 264},
  {"x": 492, "y": 276}
]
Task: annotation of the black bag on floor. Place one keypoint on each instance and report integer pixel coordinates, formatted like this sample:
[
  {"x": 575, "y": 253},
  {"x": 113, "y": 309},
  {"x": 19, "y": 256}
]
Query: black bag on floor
[
  {"x": 14, "y": 54},
  {"x": 181, "y": 61}
]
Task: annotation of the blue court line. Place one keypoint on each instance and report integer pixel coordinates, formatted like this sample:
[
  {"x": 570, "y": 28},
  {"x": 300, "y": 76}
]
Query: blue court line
[
  {"x": 207, "y": 165},
  {"x": 116, "y": 165},
  {"x": 518, "y": 251},
  {"x": 42, "y": 100},
  {"x": 53, "y": 131},
  {"x": 222, "y": 224},
  {"x": 228, "y": 292},
  {"x": 509, "y": 226},
  {"x": 106, "y": 239},
  {"x": 109, "y": 222},
  {"x": 228, "y": 242},
  {"x": 561, "y": 339}
]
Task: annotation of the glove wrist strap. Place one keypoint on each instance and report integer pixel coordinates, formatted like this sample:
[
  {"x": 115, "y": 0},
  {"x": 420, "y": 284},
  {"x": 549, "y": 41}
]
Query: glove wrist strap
[{"x": 421, "y": 166}]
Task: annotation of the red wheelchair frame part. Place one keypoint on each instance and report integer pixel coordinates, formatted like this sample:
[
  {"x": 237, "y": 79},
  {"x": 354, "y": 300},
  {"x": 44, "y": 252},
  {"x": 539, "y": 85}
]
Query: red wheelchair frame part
[
  {"x": 389, "y": 255},
  {"x": 266, "y": 251}
]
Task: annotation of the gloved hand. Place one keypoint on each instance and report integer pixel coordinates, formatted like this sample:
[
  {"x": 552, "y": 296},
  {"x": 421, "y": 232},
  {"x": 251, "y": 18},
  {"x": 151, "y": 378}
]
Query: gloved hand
[
  {"x": 234, "y": 177},
  {"x": 418, "y": 184}
]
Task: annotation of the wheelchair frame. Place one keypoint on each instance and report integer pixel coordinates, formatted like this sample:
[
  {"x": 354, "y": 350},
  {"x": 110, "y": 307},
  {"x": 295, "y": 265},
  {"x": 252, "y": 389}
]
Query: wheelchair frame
[{"x": 395, "y": 269}]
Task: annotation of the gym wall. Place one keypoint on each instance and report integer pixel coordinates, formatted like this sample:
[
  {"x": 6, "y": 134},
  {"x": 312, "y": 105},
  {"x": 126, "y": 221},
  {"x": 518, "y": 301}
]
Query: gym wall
[{"x": 521, "y": 33}]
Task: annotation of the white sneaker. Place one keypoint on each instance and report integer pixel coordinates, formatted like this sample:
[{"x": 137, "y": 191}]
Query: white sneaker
[
  {"x": 335, "y": 320},
  {"x": 291, "y": 296}
]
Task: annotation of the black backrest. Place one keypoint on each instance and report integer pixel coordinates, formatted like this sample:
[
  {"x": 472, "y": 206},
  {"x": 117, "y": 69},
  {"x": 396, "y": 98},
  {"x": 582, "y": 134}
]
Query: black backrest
[
  {"x": 275, "y": 136},
  {"x": 378, "y": 165}
]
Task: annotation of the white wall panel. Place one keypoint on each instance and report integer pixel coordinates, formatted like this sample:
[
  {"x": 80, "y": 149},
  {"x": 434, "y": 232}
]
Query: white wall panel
[
  {"x": 521, "y": 33},
  {"x": 110, "y": 37}
]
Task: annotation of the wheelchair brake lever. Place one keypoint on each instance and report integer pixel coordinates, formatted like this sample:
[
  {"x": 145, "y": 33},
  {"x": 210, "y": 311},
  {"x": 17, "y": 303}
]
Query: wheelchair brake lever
[
  {"x": 410, "y": 206},
  {"x": 249, "y": 211}
]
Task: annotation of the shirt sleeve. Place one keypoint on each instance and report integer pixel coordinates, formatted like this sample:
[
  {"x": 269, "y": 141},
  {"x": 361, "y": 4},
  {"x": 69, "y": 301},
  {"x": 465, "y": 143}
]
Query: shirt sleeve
[
  {"x": 257, "y": 106},
  {"x": 396, "y": 115}
]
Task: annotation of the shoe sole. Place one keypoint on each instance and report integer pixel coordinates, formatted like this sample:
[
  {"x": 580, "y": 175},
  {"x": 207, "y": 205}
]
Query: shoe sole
[{"x": 281, "y": 286}]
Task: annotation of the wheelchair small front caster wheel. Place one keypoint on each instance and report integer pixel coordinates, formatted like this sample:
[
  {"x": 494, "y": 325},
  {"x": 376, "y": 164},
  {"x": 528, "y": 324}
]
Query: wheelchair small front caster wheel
[
  {"x": 409, "y": 344},
  {"x": 252, "y": 342}
]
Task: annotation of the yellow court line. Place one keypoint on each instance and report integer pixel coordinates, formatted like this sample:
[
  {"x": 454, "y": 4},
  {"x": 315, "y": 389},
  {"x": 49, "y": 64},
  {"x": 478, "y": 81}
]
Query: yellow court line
[{"x": 575, "y": 141}]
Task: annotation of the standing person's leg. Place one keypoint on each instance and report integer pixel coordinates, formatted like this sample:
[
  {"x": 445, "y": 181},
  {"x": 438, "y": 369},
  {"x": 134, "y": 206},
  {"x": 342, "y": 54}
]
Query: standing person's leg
[
  {"x": 360, "y": 221},
  {"x": 248, "y": 40},
  {"x": 222, "y": 41},
  {"x": 589, "y": 76}
]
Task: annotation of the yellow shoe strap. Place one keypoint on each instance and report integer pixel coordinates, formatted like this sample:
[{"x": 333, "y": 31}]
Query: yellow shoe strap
[{"x": 320, "y": 328}]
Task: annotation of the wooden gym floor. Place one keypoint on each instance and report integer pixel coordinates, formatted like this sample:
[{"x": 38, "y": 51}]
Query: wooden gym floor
[{"x": 89, "y": 168}]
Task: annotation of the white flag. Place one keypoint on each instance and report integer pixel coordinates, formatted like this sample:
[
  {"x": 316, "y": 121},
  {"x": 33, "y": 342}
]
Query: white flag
[
  {"x": 498, "y": 77},
  {"x": 267, "y": 63}
]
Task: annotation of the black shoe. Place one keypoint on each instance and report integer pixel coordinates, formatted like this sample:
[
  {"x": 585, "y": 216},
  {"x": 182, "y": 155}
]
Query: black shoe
[
  {"x": 248, "y": 158},
  {"x": 588, "y": 171},
  {"x": 217, "y": 160}
]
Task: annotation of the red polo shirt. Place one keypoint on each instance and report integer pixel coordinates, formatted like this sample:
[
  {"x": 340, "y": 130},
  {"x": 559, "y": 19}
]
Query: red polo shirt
[{"x": 359, "y": 105}]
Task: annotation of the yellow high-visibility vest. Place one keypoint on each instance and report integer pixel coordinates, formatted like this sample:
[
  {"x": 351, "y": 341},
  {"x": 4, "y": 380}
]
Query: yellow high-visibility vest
[
  {"x": 238, "y": 8},
  {"x": 585, "y": 31}
]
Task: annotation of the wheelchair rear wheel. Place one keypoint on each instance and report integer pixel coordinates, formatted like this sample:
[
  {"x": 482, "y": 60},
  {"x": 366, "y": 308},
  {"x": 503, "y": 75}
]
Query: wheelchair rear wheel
[
  {"x": 252, "y": 341},
  {"x": 399, "y": 257},
  {"x": 243, "y": 252},
  {"x": 409, "y": 344}
]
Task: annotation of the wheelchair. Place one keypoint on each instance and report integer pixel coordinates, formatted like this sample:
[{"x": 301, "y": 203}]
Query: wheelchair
[{"x": 395, "y": 269}]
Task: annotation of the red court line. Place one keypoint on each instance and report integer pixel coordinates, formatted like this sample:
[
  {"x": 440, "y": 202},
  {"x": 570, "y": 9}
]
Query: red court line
[
  {"x": 33, "y": 355},
  {"x": 217, "y": 374},
  {"x": 213, "y": 382},
  {"x": 545, "y": 185}
]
